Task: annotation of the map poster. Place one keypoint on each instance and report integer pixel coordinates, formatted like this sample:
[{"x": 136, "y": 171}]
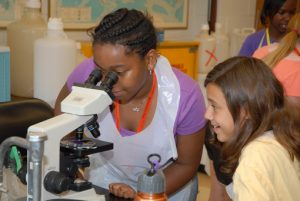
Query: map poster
[
  {"x": 10, "y": 10},
  {"x": 84, "y": 14}
]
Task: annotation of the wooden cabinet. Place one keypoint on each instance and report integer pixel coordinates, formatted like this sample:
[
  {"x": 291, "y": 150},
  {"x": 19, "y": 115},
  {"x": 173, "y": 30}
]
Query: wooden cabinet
[{"x": 182, "y": 55}]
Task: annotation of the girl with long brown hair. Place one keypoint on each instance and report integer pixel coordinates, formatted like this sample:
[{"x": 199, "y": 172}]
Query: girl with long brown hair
[{"x": 257, "y": 131}]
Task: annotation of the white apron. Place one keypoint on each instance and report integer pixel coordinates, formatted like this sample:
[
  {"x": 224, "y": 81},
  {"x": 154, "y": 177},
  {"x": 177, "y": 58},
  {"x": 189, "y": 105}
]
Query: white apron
[{"x": 129, "y": 156}]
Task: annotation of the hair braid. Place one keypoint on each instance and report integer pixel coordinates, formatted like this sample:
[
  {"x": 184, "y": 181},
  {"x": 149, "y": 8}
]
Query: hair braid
[
  {"x": 109, "y": 21},
  {"x": 130, "y": 28}
]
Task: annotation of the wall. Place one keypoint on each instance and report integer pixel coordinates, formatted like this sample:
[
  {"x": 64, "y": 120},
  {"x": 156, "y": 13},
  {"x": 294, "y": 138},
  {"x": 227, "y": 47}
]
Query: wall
[
  {"x": 197, "y": 16},
  {"x": 231, "y": 13},
  {"x": 236, "y": 14}
]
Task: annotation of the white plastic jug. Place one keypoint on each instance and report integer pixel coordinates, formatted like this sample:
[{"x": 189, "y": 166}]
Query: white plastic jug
[
  {"x": 237, "y": 39},
  {"x": 207, "y": 50},
  {"x": 201, "y": 79},
  {"x": 54, "y": 60},
  {"x": 222, "y": 44},
  {"x": 21, "y": 35}
]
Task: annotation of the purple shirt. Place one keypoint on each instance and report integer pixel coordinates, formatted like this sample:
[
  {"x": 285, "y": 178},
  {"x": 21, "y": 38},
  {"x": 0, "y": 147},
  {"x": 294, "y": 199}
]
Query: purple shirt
[
  {"x": 252, "y": 43},
  {"x": 190, "y": 115}
]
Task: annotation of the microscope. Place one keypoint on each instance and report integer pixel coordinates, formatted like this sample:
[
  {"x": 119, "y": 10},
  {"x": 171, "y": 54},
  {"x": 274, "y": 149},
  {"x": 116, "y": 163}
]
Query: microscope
[{"x": 65, "y": 159}]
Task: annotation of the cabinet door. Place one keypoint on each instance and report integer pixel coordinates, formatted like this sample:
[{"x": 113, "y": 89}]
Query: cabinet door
[{"x": 183, "y": 58}]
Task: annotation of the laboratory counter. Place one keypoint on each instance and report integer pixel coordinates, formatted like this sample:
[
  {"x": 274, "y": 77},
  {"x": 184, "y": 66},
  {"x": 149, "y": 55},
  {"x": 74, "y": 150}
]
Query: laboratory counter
[
  {"x": 99, "y": 190},
  {"x": 108, "y": 196}
]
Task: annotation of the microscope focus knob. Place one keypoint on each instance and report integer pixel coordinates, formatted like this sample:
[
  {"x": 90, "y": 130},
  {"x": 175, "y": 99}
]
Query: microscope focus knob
[{"x": 56, "y": 182}]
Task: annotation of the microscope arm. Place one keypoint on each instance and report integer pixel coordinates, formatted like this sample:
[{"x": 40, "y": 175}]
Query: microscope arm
[
  {"x": 43, "y": 139},
  {"x": 55, "y": 129},
  {"x": 79, "y": 107}
]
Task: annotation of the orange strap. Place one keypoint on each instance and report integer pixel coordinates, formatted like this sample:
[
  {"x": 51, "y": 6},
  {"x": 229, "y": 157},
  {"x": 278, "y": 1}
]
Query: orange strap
[
  {"x": 117, "y": 109},
  {"x": 146, "y": 111}
]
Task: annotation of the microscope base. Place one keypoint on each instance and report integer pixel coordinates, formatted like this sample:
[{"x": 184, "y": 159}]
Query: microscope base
[{"x": 87, "y": 195}]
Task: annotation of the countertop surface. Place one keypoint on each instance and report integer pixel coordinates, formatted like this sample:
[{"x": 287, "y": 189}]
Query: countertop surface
[
  {"x": 108, "y": 196},
  {"x": 101, "y": 191}
]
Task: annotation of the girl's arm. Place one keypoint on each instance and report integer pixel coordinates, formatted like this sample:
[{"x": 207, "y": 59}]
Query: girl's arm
[
  {"x": 189, "y": 148},
  {"x": 217, "y": 190}
]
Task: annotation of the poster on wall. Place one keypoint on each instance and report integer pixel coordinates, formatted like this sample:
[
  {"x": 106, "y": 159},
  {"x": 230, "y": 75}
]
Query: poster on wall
[
  {"x": 10, "y": 10},
  {"x": 84, "y": 14}
]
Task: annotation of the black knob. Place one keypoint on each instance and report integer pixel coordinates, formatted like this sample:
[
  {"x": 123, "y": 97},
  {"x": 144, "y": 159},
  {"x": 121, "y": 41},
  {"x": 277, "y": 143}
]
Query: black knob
[{"x": 56, "y": 182}]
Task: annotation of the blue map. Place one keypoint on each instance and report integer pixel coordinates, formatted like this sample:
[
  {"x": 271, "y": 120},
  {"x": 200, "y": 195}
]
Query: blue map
[{"x": 7, "y": 10}]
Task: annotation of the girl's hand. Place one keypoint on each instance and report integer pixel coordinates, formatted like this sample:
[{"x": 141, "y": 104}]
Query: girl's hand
[{"x": 122, "y": 190}]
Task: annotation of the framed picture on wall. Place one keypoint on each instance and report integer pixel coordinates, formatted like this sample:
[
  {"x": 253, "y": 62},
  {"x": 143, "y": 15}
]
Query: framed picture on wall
[
  {"x": 84, "y": 14},
  {"x": 10, "y": 10}
]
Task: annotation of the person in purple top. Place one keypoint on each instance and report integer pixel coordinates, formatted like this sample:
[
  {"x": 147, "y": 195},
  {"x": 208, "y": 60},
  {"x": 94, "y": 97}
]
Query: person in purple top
[
  {"x": 158, "y": 109},
  {"x": 275, "y": 16}
]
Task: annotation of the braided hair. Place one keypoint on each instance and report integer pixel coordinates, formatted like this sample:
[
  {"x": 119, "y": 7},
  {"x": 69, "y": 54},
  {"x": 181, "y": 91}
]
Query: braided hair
[{"x": 130, "y": 28}]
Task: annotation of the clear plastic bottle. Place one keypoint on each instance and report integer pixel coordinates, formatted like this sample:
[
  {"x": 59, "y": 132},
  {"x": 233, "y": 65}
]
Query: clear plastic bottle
[
  {"x": 21, "y": 35},
  {"x": 54, "y": 60},
  {"x": 207, "y": 50},
  {"x": 237, "y": 38},
  {"x": 222, "y": 43}
]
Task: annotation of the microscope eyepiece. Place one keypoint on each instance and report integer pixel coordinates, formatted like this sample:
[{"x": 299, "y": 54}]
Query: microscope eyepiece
[
  {"x": 94, "y": 77},
  {"x": 110, "y": 79},
  {"x": 106, "y": 85}
]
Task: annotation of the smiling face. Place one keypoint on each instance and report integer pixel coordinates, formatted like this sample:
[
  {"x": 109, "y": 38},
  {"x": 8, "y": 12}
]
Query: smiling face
[
  {"x": 218, "y": 114},
  {"x": 132, "y": 70},
  {"x": 281, "y": 19}
]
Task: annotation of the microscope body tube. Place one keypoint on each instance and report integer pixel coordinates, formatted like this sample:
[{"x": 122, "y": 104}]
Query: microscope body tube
[
  {"x": 4, "y": 147},
  {"x": 34, "y": 165}
]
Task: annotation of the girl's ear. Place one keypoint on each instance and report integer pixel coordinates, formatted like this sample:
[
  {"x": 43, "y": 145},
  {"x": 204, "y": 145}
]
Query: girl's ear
[
  {"x": 151, "y": 59},
  {"x": 244, "y": 114}
]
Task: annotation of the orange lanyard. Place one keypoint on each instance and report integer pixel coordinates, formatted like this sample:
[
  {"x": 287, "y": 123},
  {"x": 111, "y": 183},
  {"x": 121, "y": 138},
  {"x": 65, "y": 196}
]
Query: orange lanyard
[
  {"x": 297, "y": 51},
  {"x": 145, "y": 113}
]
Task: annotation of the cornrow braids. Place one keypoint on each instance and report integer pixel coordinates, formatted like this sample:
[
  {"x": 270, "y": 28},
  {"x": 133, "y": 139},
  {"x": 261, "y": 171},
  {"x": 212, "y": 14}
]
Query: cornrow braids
[
  {"x": 130, "y": 28},
  {"x": 110, "y": 20}
]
